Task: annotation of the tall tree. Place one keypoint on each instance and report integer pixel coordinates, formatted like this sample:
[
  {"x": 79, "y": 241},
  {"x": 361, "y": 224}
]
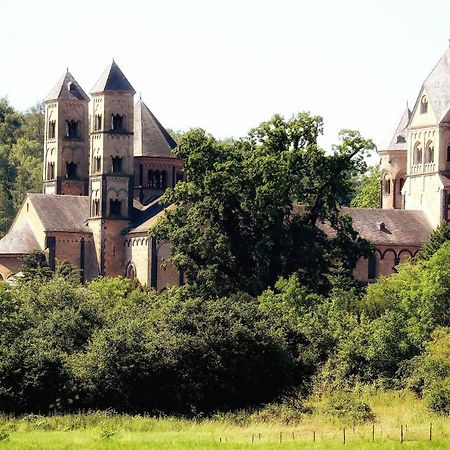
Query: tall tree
[
  {"x": 235, "y": 226},
  {"x": 367, "y": 189}
]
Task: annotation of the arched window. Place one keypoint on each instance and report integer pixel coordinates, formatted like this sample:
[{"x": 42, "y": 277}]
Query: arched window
[
  {"x": 72, "y": 129},
  {"x": 116, "y": 164},
  {"x": 117, "y": 122},
  {"x": 96, "y": 207},
  {"x": 387, "y": 185},
  {"x": 98, "y": 122},
  {"x": 72, "y": 87},
  {"x": 115, "y": 208},
  {"x": 52, "y": 129},
  {"x": 424, "y": 105},
  {"x": 372, "y": 267},
  {"x": 401, "y": 184},
  {"x": 429, "y": 153},
  {"x": 71, "y": 170},
  {"x": 417, "y": 154},
  {"x": 131, "y": 271}
]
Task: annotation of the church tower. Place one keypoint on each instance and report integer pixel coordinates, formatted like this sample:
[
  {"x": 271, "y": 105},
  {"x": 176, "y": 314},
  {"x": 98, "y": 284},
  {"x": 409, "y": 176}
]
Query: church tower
[
  {"x": 111, "y": 167},
  {"x": 66, "y": 139}
]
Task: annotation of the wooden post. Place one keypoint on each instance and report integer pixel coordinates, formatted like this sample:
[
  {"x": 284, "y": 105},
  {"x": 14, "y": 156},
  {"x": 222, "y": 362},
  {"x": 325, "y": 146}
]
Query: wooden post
[
  {"x": 373, "y": 432},
  {"x": 431, "y": 430},
  {"x": 253, "y": 438},
  {"x": 344, "y": 435},
  {"x": 314, "y": 436},
  {"x": 401, "y": 434},
  {"x": 281, "y": 436},
  {"x": 293, "y": 436},
  {"x": 259, "y": 436}
]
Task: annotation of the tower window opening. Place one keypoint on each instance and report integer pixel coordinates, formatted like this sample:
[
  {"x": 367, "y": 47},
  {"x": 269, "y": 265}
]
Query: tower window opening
[
  {"x": 72, "y": 129},
  {"x": 424, "y": 105},
  {"x": 141, "y": 175},
  {"x": 429, "y": 156},
  {"x": 401, "y": 184},
  {"x": 97, "y": 164},
  {"x": 417, "y": 155},
  {"x": 71, "y": 171},
  {"x": 72, "y": 87},
  {"x": 98, "y": 122},
  {"x": 151, "y": 179},
  {"x": 96, "y": 207},
  {"x": 116, "y": 164},
  {"x": 50, "y": 171},
  {"x": 115, "y": 208},
  {"x": 52, "y": 129},
  {"x": 387, "y": 186},
  {"x": 117, "y": 122},
  {"x": 448, "y": 154},
  {"x": 401, "y": 139}
]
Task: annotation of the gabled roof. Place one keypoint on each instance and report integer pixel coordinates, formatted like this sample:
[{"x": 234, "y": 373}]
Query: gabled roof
[
  {"x": 67, "y": 88},
  {"x": 62, "y": 213},
  {"x": 150, "y": 137},
  {"x": 437, "y": 88},
  {"x": 19, "y": 241},
  {"x": 401, "y": 227},
  {"x": 398, "y": 139},
  {"x": 112, "y": 79}
]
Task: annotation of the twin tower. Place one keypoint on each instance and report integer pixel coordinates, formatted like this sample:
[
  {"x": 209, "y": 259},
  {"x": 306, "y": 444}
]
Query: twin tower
[{"x": 91, "y": 154}]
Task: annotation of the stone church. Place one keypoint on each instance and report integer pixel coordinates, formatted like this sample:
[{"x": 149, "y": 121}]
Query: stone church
[{"x": 108, "y": 160}]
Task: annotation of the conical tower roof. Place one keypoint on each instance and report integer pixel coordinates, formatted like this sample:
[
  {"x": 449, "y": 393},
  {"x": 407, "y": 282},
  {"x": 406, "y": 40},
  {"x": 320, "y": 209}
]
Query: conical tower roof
[
  {"x": 67, "y": 88},
  {"x": 397, "y": 141},
  {"x": 112, "y": 79},
  {"x": 150, "y": 137}
]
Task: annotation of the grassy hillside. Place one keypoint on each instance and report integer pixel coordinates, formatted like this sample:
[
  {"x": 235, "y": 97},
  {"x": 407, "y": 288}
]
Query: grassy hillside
[{"x": 109, "y": 431}]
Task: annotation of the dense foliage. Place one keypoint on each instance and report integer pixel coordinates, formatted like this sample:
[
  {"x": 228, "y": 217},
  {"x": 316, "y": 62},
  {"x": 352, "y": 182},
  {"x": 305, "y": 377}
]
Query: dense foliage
[
  {"x": 367, "y": 189},
  {"x": 21, "y": 155},
  {"x": 234, "y": 227}
]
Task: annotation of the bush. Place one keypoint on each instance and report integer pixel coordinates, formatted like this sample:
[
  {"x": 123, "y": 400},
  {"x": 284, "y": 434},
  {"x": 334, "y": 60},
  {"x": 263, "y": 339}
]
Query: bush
[
  {"x": 437, "y": 396},
  {"x": 348, "y": 408}
]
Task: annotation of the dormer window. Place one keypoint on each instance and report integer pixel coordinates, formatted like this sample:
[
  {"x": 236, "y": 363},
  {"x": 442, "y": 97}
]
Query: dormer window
[
  {"x": 72, "y": 87},
  {"x": 117, "y": 122},
  {"x": 401, "y": 139},
  {"x": 71, "y": 129},
  {"x": 424, "y": 105},
  {"x": 116, "y": 164},
  {"x": 51, "y": 129}
]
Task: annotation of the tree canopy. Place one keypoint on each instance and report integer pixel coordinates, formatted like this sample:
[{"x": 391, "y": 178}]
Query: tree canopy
[{"x": 253, "y": 209}]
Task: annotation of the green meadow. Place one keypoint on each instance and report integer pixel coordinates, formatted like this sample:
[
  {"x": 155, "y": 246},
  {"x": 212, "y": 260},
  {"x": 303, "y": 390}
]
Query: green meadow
[{"x": 103, "y": 430}]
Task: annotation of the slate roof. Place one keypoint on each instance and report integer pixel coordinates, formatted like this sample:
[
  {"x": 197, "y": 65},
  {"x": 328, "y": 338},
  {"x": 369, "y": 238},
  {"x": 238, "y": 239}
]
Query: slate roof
[
  {"x": 62, "y": 213},
  {"x": 112, "y": 79},
  {"x": 150, "y": 137},
  {"x": 437, "y": 87},
  {"x": 148, "y": 218},
  {"x": 67, "y": 88},
  {"x": 398, "y": 138},
  {"x": 401, "y": 227},
  {"x": 19, "y": 241}
]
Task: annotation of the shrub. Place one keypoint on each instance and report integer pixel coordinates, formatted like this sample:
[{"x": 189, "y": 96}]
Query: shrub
[
  {"x": 348, "y": 408},
  {"x": 437, "y": 396}
]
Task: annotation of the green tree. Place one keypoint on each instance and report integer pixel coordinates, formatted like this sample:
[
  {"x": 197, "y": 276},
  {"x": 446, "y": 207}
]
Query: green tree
[
  {"x": 367, "y": 190},
  {"x": 234, "y": 227},
  {"x": 438, "y": 236}
]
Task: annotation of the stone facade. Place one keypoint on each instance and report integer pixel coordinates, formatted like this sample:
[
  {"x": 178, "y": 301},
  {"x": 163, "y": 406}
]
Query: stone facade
[{"x": 107, "y": 161}]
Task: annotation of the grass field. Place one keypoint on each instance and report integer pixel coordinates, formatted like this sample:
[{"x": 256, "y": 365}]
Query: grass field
[{"x": 107, "y": 431}]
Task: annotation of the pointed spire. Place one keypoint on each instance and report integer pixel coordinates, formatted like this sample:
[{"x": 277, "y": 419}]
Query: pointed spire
[
  {"x": 67, "y": 88},
  {"x": 150, "y": 137},
  {"x": 112, "y": 79}
]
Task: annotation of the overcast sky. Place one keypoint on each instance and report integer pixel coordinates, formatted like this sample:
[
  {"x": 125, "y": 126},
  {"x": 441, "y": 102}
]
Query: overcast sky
[{"x": 226, "y": 66}]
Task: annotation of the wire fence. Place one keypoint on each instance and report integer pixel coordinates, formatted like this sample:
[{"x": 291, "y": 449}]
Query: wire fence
[{"x": 345, "y": 435}]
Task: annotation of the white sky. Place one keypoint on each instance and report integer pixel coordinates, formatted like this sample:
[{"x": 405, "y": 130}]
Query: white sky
[{"x": 226, "y": 66}]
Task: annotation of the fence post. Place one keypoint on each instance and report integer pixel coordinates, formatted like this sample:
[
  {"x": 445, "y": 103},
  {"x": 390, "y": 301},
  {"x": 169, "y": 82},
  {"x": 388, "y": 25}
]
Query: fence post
[
  {"x": 344, "y": 435},
  {"x": 431, "y": 430},
  {"x": 281, "y": 436},
  {"x": 314, "y": 435},
  {"x": 373, "y": 432},
  {"x": 401, "y": 434},
  {"x": 293, "y": 435},
  {"x": 253, "y": 438}
]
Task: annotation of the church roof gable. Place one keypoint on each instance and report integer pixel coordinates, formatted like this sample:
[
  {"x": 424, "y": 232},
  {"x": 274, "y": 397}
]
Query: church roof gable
[
  {"x": 150, "y": 137},
  {"x": 62, "y": 213},
  {"x": 437, "y": 88},
  {"x": 67, "y": 88},
  {"x": 398, "y": 138},
  {"x": 112, "y": 79},
  {"x": 19, "y": 241}
]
